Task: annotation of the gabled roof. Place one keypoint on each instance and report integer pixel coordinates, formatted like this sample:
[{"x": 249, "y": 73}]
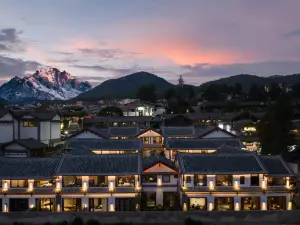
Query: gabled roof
[
  {"x": 123, "y": 131},
  {"x": 29, "y": 143},
  {"x": 210, "y": 129},
  {"x": 40, "y": 115},
  {"x": 148, "y": 129},
  {"x": 26, "y": 168},
  {"x": 157, "y": 158},
  {"x": 107, "y": 164},
  {"x": 111, "y": 119},
  {"x": 226, "y": 163},
  {"x": 169, "y": 131},
  {"x": 199, "y": 144},
  {"x": 99, "y": 132},
  {"x": 103, "y": 144},
  {"x": 276, "y": 166}
]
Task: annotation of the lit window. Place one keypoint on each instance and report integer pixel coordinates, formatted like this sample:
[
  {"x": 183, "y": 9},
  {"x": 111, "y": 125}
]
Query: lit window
[{"x": 29, "y": 124}]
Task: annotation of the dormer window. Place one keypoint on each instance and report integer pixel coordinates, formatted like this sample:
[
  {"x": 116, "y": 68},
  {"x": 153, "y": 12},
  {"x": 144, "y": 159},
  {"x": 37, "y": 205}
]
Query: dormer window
[{"x": 29, "y": 124}]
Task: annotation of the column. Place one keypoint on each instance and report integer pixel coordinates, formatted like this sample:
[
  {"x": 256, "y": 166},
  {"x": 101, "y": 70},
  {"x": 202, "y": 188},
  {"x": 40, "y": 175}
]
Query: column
[
  {"x": 237, "y": 203},
  {"x": 58, "y": 203},
  {"x": 210, "y": 203},
  {"x": 85, "y": 204},
  {"x": 5, "y": 204},
  {"x": 111, "y": 203},
  {"x": 263, "y": 202},
  {"x": 31, "y": 203},
  {"x": 85, "y": 183},
  {"x": 289, "y": 204}
]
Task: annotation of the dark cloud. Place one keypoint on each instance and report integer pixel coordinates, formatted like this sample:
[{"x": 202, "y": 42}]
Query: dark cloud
[
  {"x": 63, "y": 60},
  {"x": 9, "y": 35},
  {"x": 4, "y": 48},
  {"x": 99, "y": 68},
  {"x": 64, "y": 53},
  {"x": 293, "y": 33},
  {"x": 10, "y": 41},
  {"x": 16, "y": 67},
  {"x": 106, "y": 54}
]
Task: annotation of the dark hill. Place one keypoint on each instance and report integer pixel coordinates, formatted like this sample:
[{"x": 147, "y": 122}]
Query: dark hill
[
  {"x": 125, "y": 87},
  {"x": 247, "y": 80}
]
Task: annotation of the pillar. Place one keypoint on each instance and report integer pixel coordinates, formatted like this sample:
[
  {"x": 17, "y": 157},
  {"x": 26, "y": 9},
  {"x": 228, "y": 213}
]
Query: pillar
[
  {"x": 31, "y": 203},
  {"x": 85, "y": 203},
  {"x": 237, "y": 203},
  {"x": 263, "y": 202},
  {"x": 210, "y": 203},
  {"x": 58, "y": 203},
  {"x": 5, "y": 204},
  {"x": 111, "y": 203}
]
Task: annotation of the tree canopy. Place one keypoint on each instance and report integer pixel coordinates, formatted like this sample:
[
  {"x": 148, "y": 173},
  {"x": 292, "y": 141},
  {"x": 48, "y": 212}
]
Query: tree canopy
[
  {"x": 275, "y": 128},
  {"x": 147, "y": 93},
  {"x": 111, "y": 111}
]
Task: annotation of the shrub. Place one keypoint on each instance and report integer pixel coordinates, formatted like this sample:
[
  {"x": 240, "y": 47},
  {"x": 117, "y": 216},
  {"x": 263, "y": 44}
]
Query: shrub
[
  {"x": 92, "y": 222},
  {"x": 77, "y": 221},
  {"x": 190, "y": 221}
]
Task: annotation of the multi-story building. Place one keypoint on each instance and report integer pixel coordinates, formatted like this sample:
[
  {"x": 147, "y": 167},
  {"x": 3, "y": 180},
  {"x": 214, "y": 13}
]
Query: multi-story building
[
  {"x": 71, "y": 183},
  {"x": 234, "y": 181}
]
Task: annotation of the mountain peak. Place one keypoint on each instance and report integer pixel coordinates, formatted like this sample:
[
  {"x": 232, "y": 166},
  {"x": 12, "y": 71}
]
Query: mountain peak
[{"x": 45, "y": 84}]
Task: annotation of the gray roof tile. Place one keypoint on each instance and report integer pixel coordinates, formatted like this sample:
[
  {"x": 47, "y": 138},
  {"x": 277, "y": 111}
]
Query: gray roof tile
[
  {"x": 157, "y": 158},
  {"x": 103, "y": 144},
  {"x": 198, "y": 144},
  {"x": 188, "y": 131},
  {"x": 106, "y": 164},
  {"x": 276, "y": 166},
  {"x": 25, "y": 168},
  {"x": 123, "y": 131},
  {"x": 219, "y": 164},
  {"x": 29, "y": 143}
]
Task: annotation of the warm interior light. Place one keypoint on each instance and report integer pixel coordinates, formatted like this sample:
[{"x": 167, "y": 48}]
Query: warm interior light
[
  {"x": 210, "y": 206},
  {"x": 236, "y": 185},
  {"x": 30, "y": 188},
  {"x": 58, "y": 187},
  {"x": 111, "y": 186},
  {"x": 159, "y": 183},
  {"x": 31, "y": 206},
  {"x": 5, "y": 207},
  {"x": 111, "y": 208},
  {"x": 263, "y": 206},
  {"x": 5, "y": 186},
  {"x": 185, "y": 207},
  {"x": 237, "y": 206},
  {"x": 263, "y": 184},
  {"x": 58, "y": 208},
  {"x": 84, "y": 186},
  {"x": 211, "y": 185},
  {"x": 290, "y": 205},
  {"x": 287, "y": 185}
]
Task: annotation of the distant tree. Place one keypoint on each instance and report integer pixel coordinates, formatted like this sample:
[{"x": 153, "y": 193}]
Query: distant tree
[
  {"x": 274, "y": 91},
  {"x": 296, "y": 90},
  {"x": 179, "y": 106},
  {"x": 170, "y": 93},
  {"x": 274, "y": 128},
  {"x": 147, "y": 93},
  {"x": 111, "y": 111},
  {"x": 212, "y": 92},
  {"x": 189, "y": 92},
  {"x": 237, "y": 89},
  {"x": 256, "y": 93}
]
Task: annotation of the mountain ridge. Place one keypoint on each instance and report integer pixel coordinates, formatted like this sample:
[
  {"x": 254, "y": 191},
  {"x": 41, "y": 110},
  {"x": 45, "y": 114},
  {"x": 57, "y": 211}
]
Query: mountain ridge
[{"x": 44, "y": 84}]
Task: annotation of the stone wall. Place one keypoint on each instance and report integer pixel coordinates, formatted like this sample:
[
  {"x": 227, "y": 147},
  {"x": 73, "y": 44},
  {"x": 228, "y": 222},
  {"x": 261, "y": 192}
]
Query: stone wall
[{"x": 160, "y": 218}]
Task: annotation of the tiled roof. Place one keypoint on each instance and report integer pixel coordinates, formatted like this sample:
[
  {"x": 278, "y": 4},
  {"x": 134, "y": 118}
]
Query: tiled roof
[
  {"x": 106, "y": 164},
  {"x": 276, "y": 166},
  {"x": 123, "y": 131},
  {"x": 210, "y": 129},
  {"x": 25, "y": 168},
  {"x": 40, "y": 115},
  {"x": 188, "y": 131},
  {"x": 103, "y": 144},
  {"x": 199, "y": 144},
  {"x": 219, "y": 163},
  {"x": 112, "y": 119},
  {"x": 157, "y": 158},
  {"x": 103, "y": 133},
  {"x": 29, "y": 143}
]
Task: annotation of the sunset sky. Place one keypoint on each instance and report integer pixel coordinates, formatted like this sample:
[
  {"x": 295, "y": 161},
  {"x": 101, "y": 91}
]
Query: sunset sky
[{"x": 203, "y": 40}]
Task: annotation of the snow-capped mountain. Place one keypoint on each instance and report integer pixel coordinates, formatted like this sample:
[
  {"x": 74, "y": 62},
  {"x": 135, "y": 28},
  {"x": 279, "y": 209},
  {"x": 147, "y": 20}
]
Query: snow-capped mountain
[{"x": 44, "y": 84}]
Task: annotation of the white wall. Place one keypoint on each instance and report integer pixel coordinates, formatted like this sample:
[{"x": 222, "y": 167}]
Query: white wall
[
  {"x": 28, "y": 132},
  {"x": 55, "y": 130},
  {"x": 45, "y": 131},
  {"x": 16, "y": 125},
  {"x": 7, "y": 131}
]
